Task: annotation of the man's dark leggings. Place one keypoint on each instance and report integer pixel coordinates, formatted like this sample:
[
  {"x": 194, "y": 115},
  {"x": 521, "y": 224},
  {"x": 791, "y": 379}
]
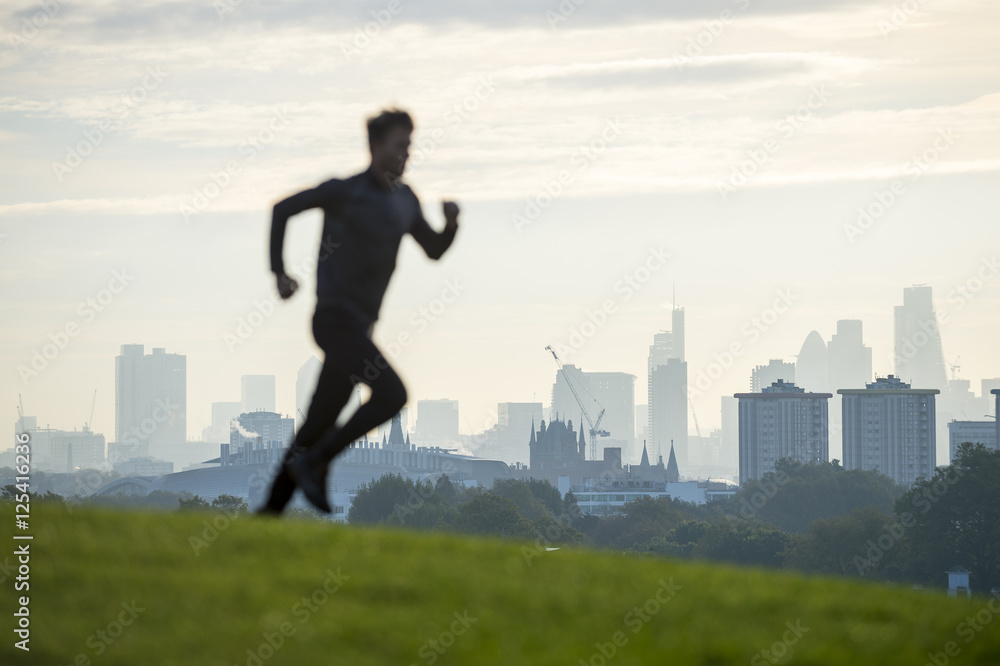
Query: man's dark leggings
[{"x": 351, "y": 357}]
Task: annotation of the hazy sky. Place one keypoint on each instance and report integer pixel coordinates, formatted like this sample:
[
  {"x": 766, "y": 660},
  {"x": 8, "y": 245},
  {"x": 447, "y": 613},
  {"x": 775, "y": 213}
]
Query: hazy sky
[{"x": 141, "y": 148}]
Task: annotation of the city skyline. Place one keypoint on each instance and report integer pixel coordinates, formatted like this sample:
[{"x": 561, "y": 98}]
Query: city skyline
[{"x": 636, "y": 452}]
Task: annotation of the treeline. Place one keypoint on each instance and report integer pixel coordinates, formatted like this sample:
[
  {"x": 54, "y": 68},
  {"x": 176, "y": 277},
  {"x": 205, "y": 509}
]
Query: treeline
[
  {"x": 512, "y": 508},
  {"x": 818, "y": 518}
]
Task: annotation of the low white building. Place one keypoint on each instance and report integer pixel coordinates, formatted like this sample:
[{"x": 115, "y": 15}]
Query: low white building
[{"x": 606, "y": 499}]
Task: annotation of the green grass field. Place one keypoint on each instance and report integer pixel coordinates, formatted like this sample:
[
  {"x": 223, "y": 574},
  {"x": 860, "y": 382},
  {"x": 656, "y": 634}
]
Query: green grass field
[{"x": 123, "y": 587}]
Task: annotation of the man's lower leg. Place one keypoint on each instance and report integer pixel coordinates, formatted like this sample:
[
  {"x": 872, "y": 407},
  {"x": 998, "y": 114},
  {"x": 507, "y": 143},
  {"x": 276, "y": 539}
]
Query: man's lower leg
[{"x": 309, "y": 472}]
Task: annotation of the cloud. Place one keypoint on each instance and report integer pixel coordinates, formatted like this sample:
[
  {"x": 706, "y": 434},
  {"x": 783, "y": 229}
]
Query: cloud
[{"x": 124, "y": 20}]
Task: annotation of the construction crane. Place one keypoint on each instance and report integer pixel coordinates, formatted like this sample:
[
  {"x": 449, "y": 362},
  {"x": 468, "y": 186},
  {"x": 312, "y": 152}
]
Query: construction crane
[
  {"x": 595, "y": 426},
  {"x": 955, "y": 367},
  {"x": 696, "y": 428},
  {"x": 89, "y": 425}
]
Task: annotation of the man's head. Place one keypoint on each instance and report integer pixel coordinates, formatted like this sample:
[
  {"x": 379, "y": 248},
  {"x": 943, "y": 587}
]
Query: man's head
[{"x": 389, "y": 141}]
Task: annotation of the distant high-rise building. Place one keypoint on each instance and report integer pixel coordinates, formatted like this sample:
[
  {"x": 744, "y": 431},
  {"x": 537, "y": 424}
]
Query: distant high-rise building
[
  {"x": 305, "y": 384},
  {"x": 641, "y": 424},
  {"x": 257, "y": 437},
  {"x": 918, "y": 356},
  {"x": 257, "y": 393},
  {"x": 850, "y": 359},
  {"x": 890, "y": 427},
  {"x": 613, "y": 391},
  {"x": 960, "y": 403},
  {"x": 850, "y": 367},
  {"x": 977, "y": 432},
  {"x": 437, "y": 421},
  {"x": 781, "y": 421},
  {"x": 150, "y": 402},
  {"x": 223, "y": 414},
  {"x": 729, "y": 454},
  {"x": 669, "y": 409},
  {"x": 764, "y": 375},
  {"x": 515, "y": 423},
  {"x": 986, "y": 389},
  {"x": 812, "y": 365},
  {"x": 70, "y": 451},
  {"x": 667, "y": 390}
]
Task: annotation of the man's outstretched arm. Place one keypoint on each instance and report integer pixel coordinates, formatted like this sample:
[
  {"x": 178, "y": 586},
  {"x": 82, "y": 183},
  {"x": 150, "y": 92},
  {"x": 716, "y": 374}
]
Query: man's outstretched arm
[
  {"x": 320, "y": 196},
  {"x": 434, "y": 243}
]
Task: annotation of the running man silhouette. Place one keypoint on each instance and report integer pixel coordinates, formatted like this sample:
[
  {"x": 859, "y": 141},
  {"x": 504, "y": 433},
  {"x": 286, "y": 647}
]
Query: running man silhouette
[{"x": 365, "y": 218}]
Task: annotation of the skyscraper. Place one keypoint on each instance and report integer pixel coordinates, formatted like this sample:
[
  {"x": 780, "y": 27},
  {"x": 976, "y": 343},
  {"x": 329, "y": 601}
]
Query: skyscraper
[
  {"x": 257, "y": 437},
  {"x": 850, "y": 359},
  {"x": 256, "y": 393},
  {"x": 641, "y": 424},
  {"x": 670, "y": 409},
  {"x": 812, "y": 365},
  {"x": 890, "y": 427},
  {"x": 729, "y": 455},
  {"x": 150, "y": 402},
  {"x": 668, "y": 390},
  {"x": 515, "y": 421},
  {"x": 437, "y": 422},
  {"x": 918, "y": 356},
  {"x": 781, "y": 421},
  {"x": 850, "y": 367},
  {"x": 764, "y": 375},
  {"x": 612, "y": 391},
  {"x": 223, "y": 414},
  {"x": 985, "y": 390}
]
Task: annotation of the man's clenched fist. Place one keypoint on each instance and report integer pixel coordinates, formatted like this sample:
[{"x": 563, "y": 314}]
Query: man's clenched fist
[
  {"x": 450, "y": 209},
  {"x": 286, "y": 286}
]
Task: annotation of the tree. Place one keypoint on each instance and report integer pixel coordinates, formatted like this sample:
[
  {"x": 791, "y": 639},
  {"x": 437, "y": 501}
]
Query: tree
[
  {"x": 521, "y": 492},
  {"x": 394, "y": 500},
  {"x": 865, "y": 543},
  {"x": 742, "y": 542},
  {"x": 445, "y": 489},
  {"x": 955, "y": 518},
  {"x": 547, "y": 494},
  {"x": 377, "y": 500},
  {"x": 795, "y": 494},
  {"x": 492, "y": 514},
  {"x": 230, "y": 504},
  {"x": 194, "y": 503},
  {"x": 644, "y": 522}
]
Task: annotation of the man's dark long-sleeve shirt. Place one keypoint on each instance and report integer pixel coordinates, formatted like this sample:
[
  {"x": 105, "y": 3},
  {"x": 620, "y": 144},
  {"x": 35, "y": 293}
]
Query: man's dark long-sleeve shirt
[{"x": 363, "y": 224}]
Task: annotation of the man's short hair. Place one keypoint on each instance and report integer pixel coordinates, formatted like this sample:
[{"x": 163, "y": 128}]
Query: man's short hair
[{"x": 378, "y": 126}]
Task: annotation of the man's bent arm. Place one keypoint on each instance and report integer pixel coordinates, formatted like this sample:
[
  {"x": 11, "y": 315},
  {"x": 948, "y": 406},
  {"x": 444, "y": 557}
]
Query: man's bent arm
[
  {"x": 323, "y": 195},
  {"x": 434, "y": 243}
]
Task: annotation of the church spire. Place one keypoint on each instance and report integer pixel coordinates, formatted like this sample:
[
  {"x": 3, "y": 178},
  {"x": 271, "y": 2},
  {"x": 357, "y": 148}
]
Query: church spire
[
  {"x": 396, "y": 432},
  {"x": 673, "y": 474},
  {"x": 645, "y": 456}
]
